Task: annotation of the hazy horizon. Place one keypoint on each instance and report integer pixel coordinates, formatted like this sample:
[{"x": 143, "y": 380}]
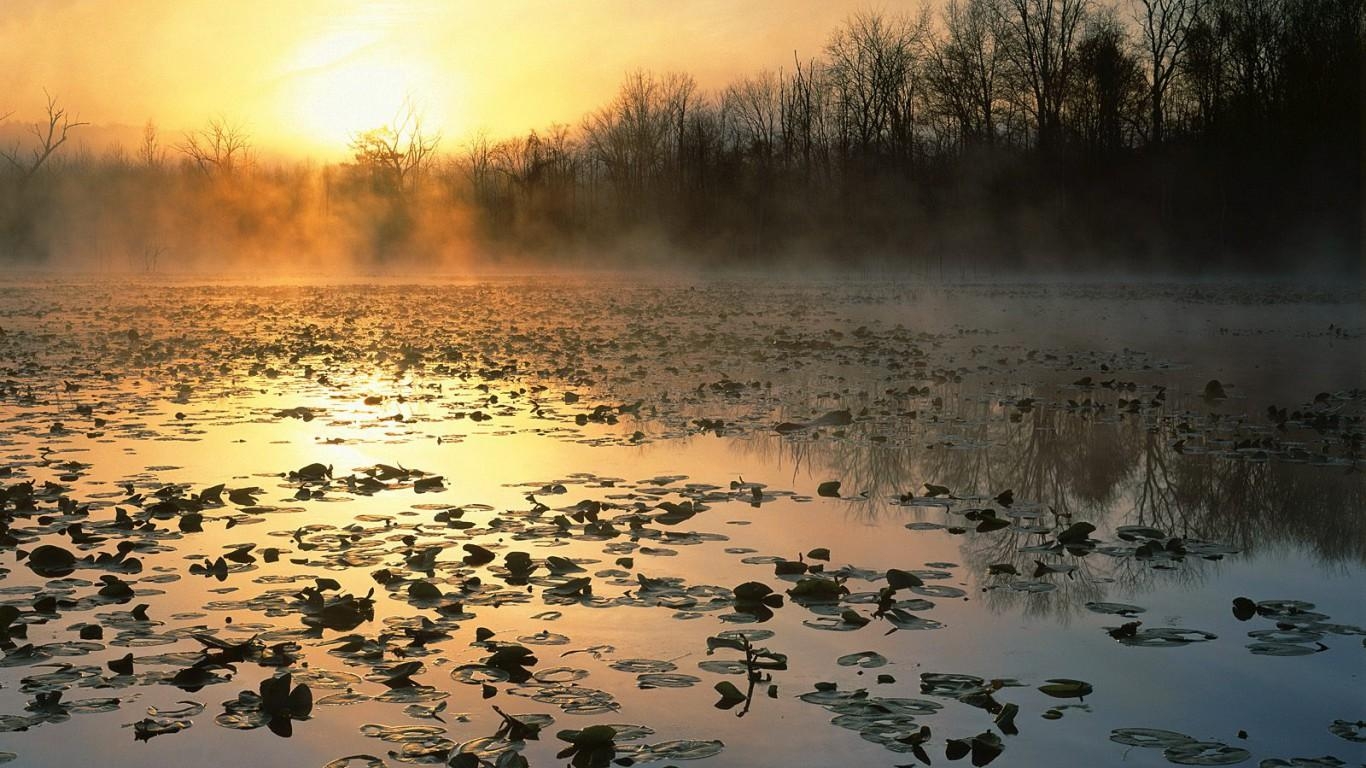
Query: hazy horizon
[{"x": 303, "y": 77}]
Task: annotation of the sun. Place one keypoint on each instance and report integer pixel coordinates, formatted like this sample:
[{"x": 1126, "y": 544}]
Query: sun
[{"x": 348, "y": 81}]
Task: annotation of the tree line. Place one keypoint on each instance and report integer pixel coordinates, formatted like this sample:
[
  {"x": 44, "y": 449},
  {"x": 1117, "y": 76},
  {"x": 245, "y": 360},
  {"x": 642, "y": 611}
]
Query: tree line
[{"x": 981, "y": 134}]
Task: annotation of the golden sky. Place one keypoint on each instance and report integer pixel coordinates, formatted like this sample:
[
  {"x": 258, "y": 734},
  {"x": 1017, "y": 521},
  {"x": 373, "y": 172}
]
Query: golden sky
[{"x": 302, "y": 75}]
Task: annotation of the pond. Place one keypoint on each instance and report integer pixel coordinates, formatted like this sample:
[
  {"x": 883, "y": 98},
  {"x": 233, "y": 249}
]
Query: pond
[{"x": 592, "y": 520}]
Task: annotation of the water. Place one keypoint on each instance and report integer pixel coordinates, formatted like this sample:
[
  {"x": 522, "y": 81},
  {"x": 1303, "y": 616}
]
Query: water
[{"x": 568, "y": 418}]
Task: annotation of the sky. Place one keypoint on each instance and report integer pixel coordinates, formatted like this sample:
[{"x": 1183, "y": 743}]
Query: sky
[{"x": 303, "y": 75}]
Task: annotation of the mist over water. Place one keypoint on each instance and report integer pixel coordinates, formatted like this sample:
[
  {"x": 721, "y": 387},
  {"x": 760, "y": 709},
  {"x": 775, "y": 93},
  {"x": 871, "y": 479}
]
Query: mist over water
[
  {"x": 1175, "y": 137},
  {"x": 984, "y": 384},
  {"x": 650, "y": 447}
]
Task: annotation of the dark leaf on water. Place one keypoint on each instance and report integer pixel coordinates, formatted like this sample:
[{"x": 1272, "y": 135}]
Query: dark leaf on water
[
  {"x": 1076, "y": 534},
  {"x": 1116, "y": 609},
  {"x": 592, "y": 747},
  {"x": 1149, "y": 737},
  {"x": 1005, "y": 719},
  {"x": 400, "y": 675},
  {"x": 730, "y": 695},
  {"x": 514, "y": 729},
  {"x": 752, "y": 592},
  {"x": 1063, "y": 688},
  {"x": 986, "y": 746},
  {"x": 990, "y": 524},
  {"x": 431, "y": 483},
  {"x": 863, "y": 660},
  {"x": 1205, "y": 753},
  {"x": 477, "y": 555},
  {"x": 1349, "y": 730},
  {"x": 51, "y": 561},
  {"x": 149, "y": 727},
  {"x": 899, "y": 579},
  {"x": 580, "y": 587},
  {"x": 424, "y": 590},
  {"x": 560, "y": 565},
  {"x": 816, "y": 590}
]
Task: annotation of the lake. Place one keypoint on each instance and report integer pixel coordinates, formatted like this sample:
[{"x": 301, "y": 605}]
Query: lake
[{"x": 738, "y": 521}]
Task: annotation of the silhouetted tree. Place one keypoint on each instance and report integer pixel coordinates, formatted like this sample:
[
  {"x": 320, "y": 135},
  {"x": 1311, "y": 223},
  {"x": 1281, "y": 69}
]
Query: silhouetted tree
[
  {"x": 220, "y": 149},
  {"x": 1041, "y": 40},
  {"x": 397, "y": 155},
  {"x": 150, "y": 153},
  {"x": 1165, "y": 27},
  {"x": 992, "y": 131},
  {"x": 964, "y": 68},
  {"x": 872, "y": 59},
  {"x": 1107, "y": 89},
  {"x": 49, "y": 135}
]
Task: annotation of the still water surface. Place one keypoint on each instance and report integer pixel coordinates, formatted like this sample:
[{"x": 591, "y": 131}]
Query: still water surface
[{"x": 1167, "y": 449}]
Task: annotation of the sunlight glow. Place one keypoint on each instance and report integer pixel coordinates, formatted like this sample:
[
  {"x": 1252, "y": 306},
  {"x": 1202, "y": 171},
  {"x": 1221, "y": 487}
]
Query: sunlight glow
[{"x": 349, "y": 81}]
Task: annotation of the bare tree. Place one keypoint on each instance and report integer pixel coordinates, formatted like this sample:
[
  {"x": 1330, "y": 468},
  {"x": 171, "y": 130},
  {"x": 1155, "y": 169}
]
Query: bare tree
[
  {"x": 399, "y": 154},
  {"x": 220, "y": 149},
  {"x": 871, "y": 65},
  {"x": 630, "y": 137},
  {"x": 679, "y": 93},
  {"x": 50, "y": 136},
  {"x": 965, "y": 66},
  {"x": 757, "y": 104},
  {"x": 806, "y": 117},
  {"x": 150, "y": 153},
  {"x": 1043, "y": 37},
  {"x": 1165, "y": 25},
  {"x": 116, "y": 156},
  {"x": 1106, "y": 103},
  {"x": 1205, "y": 67},
  {"x": 477, "y": 163}
]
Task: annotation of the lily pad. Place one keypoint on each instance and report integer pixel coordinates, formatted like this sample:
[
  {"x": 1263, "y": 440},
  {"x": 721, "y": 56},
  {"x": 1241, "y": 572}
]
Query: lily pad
[
  {"x": 862, "y": 659},
  {"x": 1205, "y": 753}
]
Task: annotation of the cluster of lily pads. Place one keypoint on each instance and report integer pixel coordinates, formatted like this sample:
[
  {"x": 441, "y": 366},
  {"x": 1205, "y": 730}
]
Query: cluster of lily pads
[{"x": 401, "y": 615}]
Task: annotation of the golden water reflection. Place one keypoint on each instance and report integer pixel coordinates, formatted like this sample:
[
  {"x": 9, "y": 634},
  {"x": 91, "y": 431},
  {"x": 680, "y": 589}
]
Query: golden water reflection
[{"x": 188, "y": 406}]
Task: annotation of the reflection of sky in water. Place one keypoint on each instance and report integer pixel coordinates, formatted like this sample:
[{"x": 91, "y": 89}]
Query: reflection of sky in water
[{"x": 1299, "y": 527}]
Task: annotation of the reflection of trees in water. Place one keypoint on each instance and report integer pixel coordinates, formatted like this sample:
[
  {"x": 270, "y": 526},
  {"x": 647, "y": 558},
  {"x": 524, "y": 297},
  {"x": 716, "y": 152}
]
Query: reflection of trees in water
[
  {"x": 1072, "y": 464},
  {"x": 1110, "y": 473},
  {"x": 1253, "y": 505},
  {"x": 981, "y": 551}
]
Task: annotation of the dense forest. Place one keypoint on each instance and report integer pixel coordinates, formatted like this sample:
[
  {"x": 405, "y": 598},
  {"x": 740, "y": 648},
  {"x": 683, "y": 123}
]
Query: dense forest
[{"x": 970, "y": 137}]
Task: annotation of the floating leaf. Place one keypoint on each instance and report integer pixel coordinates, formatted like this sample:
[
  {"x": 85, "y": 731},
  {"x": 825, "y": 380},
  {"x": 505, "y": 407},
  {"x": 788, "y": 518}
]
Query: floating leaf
[
  {"x": 681, "y": 749},
  {"x": 424, "y": 590},
  {"x": 730, "y": 695},
  {"x": 1349, "y": 730},
  {"x": 1064, "y": 688},
  {"x": 1115, "y": 609},
  {"x": 1149, "y": 737},
  {"x": 935, "y": 491},
  {"x": 1205, "y": 753},
  {"x": 51, "y": 561},
  {"x": 864, "y": 659},
  {"x": 899, "y": 579},
  {"x": 1076, "y": 534}
]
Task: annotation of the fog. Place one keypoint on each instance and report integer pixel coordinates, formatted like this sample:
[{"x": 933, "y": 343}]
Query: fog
[{"x": 883, "y": 150}]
